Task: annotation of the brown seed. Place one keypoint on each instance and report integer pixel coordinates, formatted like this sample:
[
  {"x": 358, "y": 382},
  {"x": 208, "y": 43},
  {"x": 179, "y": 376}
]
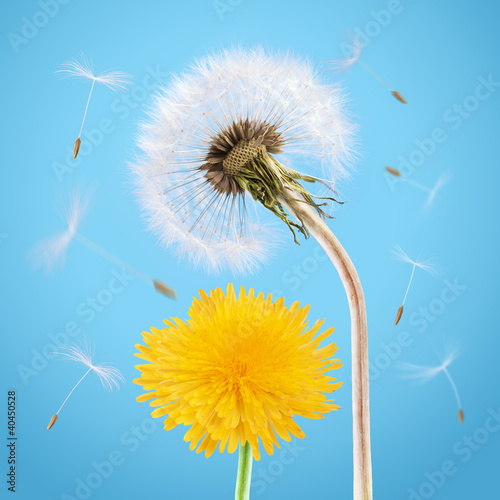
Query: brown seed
[
  {"x": 399, "y": 97},
  {"x": 164, "y": 289},
  {"x": 77, "y": 147},
  {"x": 393, "y": 171},
  {"x": 52, "y": 421},
  {"x": 461, "y": 416},
  {"x": 398, "y": 315}
]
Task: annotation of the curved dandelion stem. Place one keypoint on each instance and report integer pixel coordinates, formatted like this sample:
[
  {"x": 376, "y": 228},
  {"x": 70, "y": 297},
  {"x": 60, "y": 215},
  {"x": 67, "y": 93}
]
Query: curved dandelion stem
[
  {"x": 244, "y": 476},
  {"x": 71, "y": 392},
  {"x": 86, "y": 108},
  {"x": 359, "y": 339}
]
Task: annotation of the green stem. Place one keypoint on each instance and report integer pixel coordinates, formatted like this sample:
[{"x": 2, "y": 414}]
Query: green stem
[{"x": 244, "y": 476}]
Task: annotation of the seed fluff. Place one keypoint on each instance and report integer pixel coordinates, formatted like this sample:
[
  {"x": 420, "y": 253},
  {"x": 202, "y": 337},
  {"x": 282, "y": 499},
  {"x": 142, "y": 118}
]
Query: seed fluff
[
  {"x": 109, "y": 376},
  {"x": 52, "y": 251},
  {"x": 344, "y": 64},
  {"x": 442, "y": 180},
  {"x": 429, "y": 266},
  {"x": 81, "y": 67},
  {"x": 424, "y": 374}
]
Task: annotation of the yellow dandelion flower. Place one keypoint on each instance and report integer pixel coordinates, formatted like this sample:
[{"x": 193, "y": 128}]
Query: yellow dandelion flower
[{"x": 239, "y": 370}]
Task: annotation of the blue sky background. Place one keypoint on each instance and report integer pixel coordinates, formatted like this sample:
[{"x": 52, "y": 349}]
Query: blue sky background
[{"x": 436, "y": 54}]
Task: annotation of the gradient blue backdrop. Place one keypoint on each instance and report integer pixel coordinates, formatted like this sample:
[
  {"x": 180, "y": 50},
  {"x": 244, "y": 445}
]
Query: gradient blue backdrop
[{"x": 435, "y": 54}]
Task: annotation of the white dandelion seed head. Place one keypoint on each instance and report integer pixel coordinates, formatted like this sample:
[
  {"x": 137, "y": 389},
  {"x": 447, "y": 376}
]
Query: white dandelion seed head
[
  {"x": 81, "y": 67},
  {"x": 284, "y": 102},
  {"x": 429, "y": 265},
  {"x": 51, "y": 251},
  {"x": 83, "y": 354}
]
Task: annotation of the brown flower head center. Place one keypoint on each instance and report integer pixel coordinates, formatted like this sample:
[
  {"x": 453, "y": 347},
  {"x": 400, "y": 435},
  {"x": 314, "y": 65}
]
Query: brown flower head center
[{"x": 234, "y": 148}]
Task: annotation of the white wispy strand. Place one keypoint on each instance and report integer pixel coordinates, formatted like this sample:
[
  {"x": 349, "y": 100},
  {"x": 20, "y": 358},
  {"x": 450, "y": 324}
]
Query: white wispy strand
[
  {"x": 181, "y": 207},
  {"x": 444, "y": 179},
  {"x": 50, "y": 252},
  {"x": 344, "y": 64},
  {"x": 424, "y": 374},
  {"x": 429, "y": 265},
  {"x": 81, "y": 67},
  {"x": 108, "y": 374}
]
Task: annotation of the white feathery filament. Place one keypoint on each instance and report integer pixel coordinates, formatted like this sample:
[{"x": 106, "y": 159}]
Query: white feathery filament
[
  {"x": 109, "y": 376},
  {"x": 81, "y": 67},
  {"x": 51, "y": 251}
]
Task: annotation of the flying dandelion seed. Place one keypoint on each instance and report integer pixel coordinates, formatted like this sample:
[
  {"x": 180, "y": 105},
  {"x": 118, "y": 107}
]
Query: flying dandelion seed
[
  {"x": 393, "y": 171},
  {"x": 51, "y": 251},
  {"x": 429, "y": 266},
  {"x": 445, "y": 178},
  {"x": 344, "y": 64},
  {"x": 217, "y": 139},
  {"x": 430, "y": 191},
  {"x": 82, "y": 68},
  {"x": 398, "y": 174},
  {"x": 425, "y": 374},
  {"x": 109, "y": 376}
]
